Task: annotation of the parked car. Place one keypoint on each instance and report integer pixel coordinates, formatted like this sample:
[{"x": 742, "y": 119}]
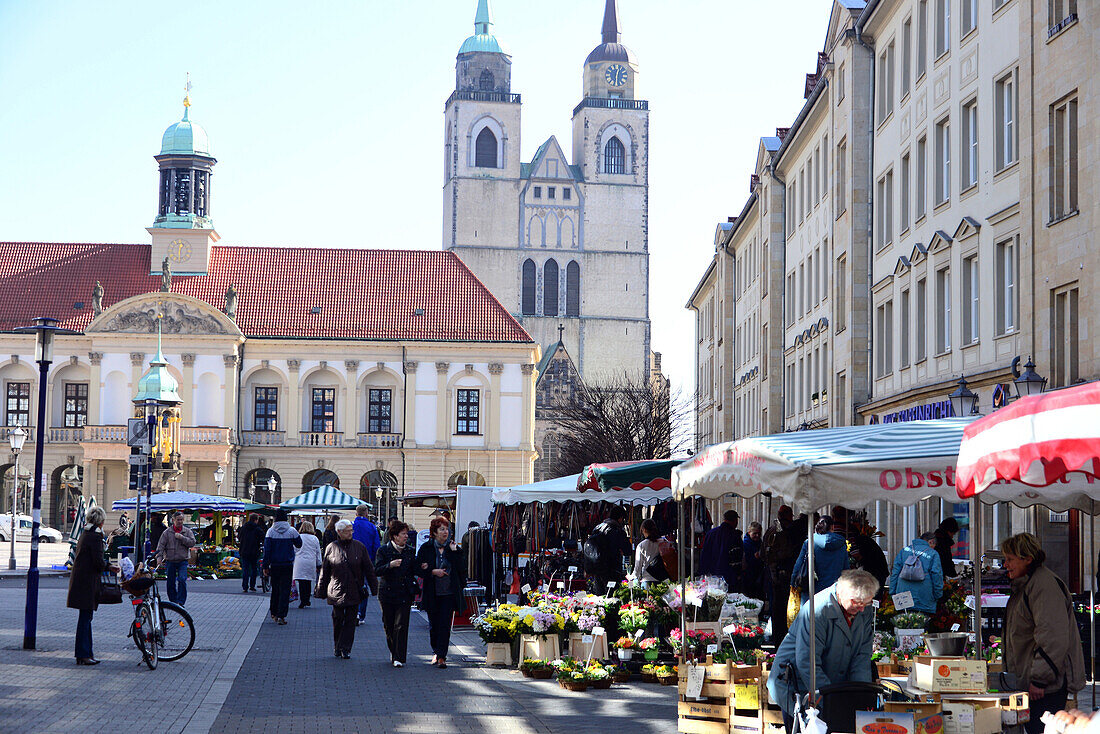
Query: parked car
[{"x": 23, "y": 524}]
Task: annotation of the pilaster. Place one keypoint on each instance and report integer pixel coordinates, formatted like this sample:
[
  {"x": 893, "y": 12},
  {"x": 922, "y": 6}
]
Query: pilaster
[
  {"x": 351, "y": 402},
  {"x": 187, "y": 390},
  {"x": 230, "y": 413},
  {"x": 528, "y": 442},
  {"x": 137, "y": 361},
  {"x": 408, "y": 405},
  {"x": 293, "y": 402},
  {"x": 493, "y": 410},
  {"x": 442, "y": 404},
  {"x": 95, "y": 388}
]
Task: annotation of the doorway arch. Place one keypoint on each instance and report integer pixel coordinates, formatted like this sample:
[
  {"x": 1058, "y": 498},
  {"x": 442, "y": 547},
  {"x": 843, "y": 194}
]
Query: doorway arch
[
  {"x": 257, "y": 484},
  {"x": 66, "y": 488}
]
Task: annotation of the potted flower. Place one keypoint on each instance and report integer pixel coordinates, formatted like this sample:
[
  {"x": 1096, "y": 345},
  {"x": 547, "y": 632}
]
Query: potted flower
[
  {"x": 649, "y": 646},
  {"x": 572, "y": 677},
  {"x": 497, "y": 630},
  {"x": 619, "y": 673},
  {"x": 649, "y": 673},
  {"x": 666, "y": 674},
  {"x": 909, "y": 629},
  {"x": 633, "y": 617},
  {"x": 533, "y": 668},
  {"x": 625, "y": 646},
  {"x": 598, "y": 677}
]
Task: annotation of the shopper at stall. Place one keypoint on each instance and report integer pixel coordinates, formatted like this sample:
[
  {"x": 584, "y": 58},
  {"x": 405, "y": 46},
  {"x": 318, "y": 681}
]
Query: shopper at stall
[
  {"x": 723, "y": 550},
  {"x": 395, "y": 566},
  {"x": 917, "y": 569},
  {"x": 945, "y": 541},
  {"x": 366, "y": 533},
  {"x": 174, "y": 550},
  {"x": 330, "y": 532},
  {"x": 278, "y": 563},
  {"x": 780, "y": 548},
  {"x": 307, "y": 563},
  {"x": 648, "y": 564},
  {"x": 752, "y": 580},
  {"x": 440, "y": 565},
  {"x": 84, "y": 581},
  {"x": 867, "y": 555},
  {"x": 251, "y": 539},
  {"x": 841, "y": 647},
  {"x": 1042, "y": 646},
  {"x": 345, "y": 572},
  {"x": 830, "y": 559},
  {"x": 605, "y": 549}
]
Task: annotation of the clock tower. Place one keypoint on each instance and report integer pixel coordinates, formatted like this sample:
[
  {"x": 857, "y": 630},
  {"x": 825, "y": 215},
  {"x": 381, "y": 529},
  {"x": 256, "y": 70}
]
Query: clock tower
[{"x": 183, "y": 230}]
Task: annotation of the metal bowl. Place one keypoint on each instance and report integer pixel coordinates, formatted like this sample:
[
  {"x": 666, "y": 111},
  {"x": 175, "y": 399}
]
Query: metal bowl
[{"x": 947, "y": 644}]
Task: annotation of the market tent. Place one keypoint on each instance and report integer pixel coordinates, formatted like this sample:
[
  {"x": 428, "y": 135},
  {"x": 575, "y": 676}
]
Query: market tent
[
  {"x": 430, "y": 498},
  {"x": 627, "y": 475},
  {"x": 564, "y": 489},
  {"x": 326, "y": 497},
  {"x": 181, "y": 500}
]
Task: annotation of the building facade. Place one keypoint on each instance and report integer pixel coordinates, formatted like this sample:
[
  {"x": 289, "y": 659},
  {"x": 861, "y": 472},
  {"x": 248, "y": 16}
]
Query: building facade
[{"x": 561, "y": 240}]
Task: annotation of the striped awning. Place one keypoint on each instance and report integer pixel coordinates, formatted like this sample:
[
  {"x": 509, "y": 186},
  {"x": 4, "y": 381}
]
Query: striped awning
[
  {"x": 627, "y": 475},
  {"x": 326, "y": 497},
  {"x": 180, "y": 500},
  {"x": 853, "y": 466}
]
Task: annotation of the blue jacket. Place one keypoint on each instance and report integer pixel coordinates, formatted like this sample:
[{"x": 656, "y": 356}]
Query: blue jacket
[
  {"x": 843, "y": 653},
  {"x": 367, "y": 533},
  {"x": 830, "y": 559},
  {"x": 279, "y": 545},
  {"x": 925, "y": 593}
]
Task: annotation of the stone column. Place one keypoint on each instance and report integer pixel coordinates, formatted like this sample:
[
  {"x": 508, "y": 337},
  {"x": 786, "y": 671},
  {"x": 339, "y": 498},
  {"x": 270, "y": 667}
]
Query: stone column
[
  {"x": 229, "y": 392},
  {"x": 492, "y": 407},
  {"x": 187, "y": 390},
  {"x": 293, "y": 403},
  {"x": 527, "y": 443},
  {"x": 95, "y": 388},
  {"x": 442, "y": 405},
  {"x": 408, "y": 405},
  {"x": 137, "y": 361},
  {"x": 351, "y": 402}
]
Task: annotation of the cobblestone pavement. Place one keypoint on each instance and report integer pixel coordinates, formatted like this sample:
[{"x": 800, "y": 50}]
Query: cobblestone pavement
[{"x": 45, "y": 691}]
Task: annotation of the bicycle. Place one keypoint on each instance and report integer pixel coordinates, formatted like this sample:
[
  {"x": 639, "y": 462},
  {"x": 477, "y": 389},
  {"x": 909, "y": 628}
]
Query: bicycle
[{"x": 168, "y": 638}]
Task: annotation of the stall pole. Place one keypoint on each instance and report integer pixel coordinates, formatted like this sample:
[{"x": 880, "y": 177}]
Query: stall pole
[
  {"x": 810, "y": 575},
  {"x": 1092, "y": 605},
  {"x": 976, "y": 554},
  {"x": 681, "y": 567},
  {"x": 691, "y": 548}
]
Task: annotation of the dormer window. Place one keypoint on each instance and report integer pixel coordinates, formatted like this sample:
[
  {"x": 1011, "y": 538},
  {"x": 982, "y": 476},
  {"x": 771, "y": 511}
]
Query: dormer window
[{"x": 538, "y": 192}]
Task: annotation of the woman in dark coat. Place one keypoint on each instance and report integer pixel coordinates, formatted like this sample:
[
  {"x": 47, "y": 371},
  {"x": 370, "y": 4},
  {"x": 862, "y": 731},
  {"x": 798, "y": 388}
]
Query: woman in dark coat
[
  {"x": 89, "y": 564},
  {"x": 395, "y": 566},
  {"x": 345, "y": 570},
  {"x": 439, "y": 563}
]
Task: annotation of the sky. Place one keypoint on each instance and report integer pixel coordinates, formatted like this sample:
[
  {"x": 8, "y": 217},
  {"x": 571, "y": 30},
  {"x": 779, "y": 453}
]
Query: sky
[{"x": 327, "y": 117}]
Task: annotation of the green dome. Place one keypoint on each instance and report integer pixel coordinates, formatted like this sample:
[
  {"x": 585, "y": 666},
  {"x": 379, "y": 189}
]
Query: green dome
[
  {"x": 481, "y": 42},
  {"x": 158, "y": 383},
  {"x": 185, "y": 138}
]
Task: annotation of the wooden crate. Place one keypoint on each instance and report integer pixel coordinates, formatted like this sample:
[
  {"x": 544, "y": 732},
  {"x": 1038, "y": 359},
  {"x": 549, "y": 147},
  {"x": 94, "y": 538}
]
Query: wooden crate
[
  {"x": 717, "y": 682},
  {"x": 538, "y": 647},
  {"x": 702, "y": 718},
  {"x": 579, "y": 650}
]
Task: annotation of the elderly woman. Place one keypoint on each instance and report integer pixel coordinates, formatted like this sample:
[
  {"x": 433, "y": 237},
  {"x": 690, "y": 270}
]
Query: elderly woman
[
  {"x": 441, "y": 565},
  {"x": 307, "y": 562},
  {"x": 1042, "y": 643},
  {"x": 345, "y": 569},
  {"x": 395, "y": 565},
  {"x": 84, "y": 582},
  {"x": 841, "y": 647}
]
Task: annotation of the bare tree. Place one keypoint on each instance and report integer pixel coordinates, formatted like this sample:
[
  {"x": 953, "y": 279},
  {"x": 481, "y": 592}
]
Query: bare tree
[{"x": 620, "y": 419}]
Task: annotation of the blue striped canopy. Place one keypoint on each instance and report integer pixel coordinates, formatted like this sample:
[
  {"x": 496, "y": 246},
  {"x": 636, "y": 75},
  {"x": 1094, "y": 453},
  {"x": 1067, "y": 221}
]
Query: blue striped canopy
[
  {"x": 164, "y": 501},
  {"x": 326, "y": 497}
]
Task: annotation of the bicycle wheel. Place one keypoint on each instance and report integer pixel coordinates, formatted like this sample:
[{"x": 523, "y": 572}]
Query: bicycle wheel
[
  {"x": 145, "y": 635},
  {"x": 177, "y": 631}
]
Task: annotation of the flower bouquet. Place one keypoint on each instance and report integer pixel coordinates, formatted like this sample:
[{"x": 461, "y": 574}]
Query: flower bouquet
[
  {"x": 697, "y": 640},
  {"x": 746, "y": 636},
  {"x": 633, "y": 617},
  {"x": 625, "y": 646},
  {"x": 649, "y": 647}
]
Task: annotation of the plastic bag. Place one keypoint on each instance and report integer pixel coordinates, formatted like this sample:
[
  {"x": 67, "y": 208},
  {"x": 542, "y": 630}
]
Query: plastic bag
[
  {"x": 794, "y": 604},
  {"x": 294, "y": 592},
  {"x": 813, "y": 725}
]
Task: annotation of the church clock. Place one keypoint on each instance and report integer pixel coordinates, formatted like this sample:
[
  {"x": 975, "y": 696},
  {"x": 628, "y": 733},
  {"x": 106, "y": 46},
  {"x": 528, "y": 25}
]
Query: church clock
[
  {"x": 179, "y": 251},
  {"x": 615, "y": 75}
]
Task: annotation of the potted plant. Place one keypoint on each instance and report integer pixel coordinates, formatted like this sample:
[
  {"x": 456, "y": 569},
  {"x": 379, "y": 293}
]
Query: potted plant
[
  {"x": 598, "y": 677},
  {"x": 909, "y": 629},
  {"x": 649, "y": 673},
  {"x": 633, "y": 617},
  {"x": 571, "y": 677},
  {"x": 619, "y": 673},
  {"x": 534, "y": 668},
  {"x": 649, "y": 647},
  {"x": 497, "y": 630},
  {"x": 666, "y": 674},
  {"x": 625, "y": 646}
]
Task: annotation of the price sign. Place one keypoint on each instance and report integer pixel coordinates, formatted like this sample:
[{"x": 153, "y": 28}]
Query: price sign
[
  {"x": 572, "y": 569},
  {"x": 586, "y": 639},
  {"x": 526, "y": 588},
  {"x": 903, "y": 601},
  {"x": 729, "y": 629},
  {"x": 561, "y": 584},
  {"x": 598, "y": 632},
  {"x": 712, "y": 648},
  {"x": 610, "y": 585},
  {"x": 955, "y": 627},
  {"x": 696, "y": 602},
  {"x": 875, "y": 604},
  {"x": 638, "y": 634},
  {"x": 695, "y": 677}
]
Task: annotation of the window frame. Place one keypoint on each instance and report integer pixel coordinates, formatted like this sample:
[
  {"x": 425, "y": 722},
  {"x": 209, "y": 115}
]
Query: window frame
[
  {"x": 468, "y": 424},
  {"x": 971, "y": 300},
  {"x": 1006, "y": 112},
  {"x": 76, "y": 416},
  {"x": 942, "y": 192},
  {"x": 384, "y": 402},
  {"x": 614, "y": 158},
  {"x": 1062, "y": 168},
  {"x": 17, "y": 403},
  {"x": 969, "y": 161},
  {"x": 1006, "y": 275},
  {"x": 261, "y": 421},
  {"x": 327, "y": 404}
]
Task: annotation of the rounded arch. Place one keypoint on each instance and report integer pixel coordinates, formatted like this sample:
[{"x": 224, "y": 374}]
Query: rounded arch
[
  {"x": 624, "y": 138},
  {"x": 327, "y": 413},
  {"x": 116, "y": 406},
  {"x": 550, "y": 273},
  {"x": 500, "y": 137},
  {"x": 573, "y": 289},
  {"x": 184, "y": 315},
  {"x": 68, "y": 386},
  {"x": 319, "y": 478},
  {"x": 257, "y": 484},
  {"x": 529, "y": 278},
  {"x": 267, "y": 387},
  {"x": 379, "y": 396},
  {"x": 66, "y": 488},
  {"x": 465, "y": 478},
  {"x": 7, "y": 479},
  {"x": 373, "y": 482}
]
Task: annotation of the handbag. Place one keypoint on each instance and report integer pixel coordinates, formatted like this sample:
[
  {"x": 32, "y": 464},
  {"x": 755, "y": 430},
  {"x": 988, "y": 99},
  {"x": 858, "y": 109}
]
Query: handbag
[
  {"x": 110, "y": 591},
  {"x": 656, "y": 568}
]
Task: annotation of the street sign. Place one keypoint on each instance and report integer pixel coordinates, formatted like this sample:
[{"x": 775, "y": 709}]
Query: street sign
[
  {"x": 137, "y": 432},
  {"x": 138, "y": 459}
]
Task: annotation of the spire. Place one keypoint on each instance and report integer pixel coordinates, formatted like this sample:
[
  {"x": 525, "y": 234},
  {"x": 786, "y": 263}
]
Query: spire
[
  {"x": 187, "y": 96},
  {"x": 483, "y": 19},
  {"x": 611, "y": 33}
]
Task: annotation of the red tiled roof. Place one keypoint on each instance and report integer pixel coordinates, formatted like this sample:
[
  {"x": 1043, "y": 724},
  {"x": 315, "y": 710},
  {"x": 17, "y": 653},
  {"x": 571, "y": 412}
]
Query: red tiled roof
[{"x": 362, "y": 294}]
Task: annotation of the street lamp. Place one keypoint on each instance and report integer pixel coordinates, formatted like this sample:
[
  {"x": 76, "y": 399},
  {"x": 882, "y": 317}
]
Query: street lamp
[
  {"x": 964, "y": 402},
  {"x": 272, "y": 483},
  {"x": 1029, "y": 383},
  {"x": 16, "y": 439},
  {"x": 45, "y": 330},
  {"x": 219, "y": 476}
]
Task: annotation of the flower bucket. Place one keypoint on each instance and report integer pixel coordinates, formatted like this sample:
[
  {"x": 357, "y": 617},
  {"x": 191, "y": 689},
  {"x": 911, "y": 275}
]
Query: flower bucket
[
  {"x": 625, "y": 655},
  {"x": 651, "y": 654},
  {"x": 498, "y": 653}
]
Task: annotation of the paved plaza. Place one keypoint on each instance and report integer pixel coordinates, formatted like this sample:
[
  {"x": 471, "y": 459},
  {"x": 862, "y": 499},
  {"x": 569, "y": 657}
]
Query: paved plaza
[{"x": 247, "y": 674}]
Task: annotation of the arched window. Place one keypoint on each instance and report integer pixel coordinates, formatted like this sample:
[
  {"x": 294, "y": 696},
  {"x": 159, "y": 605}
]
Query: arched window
[
  {"x": 486, "y": 82},
  {"x": 550, "y": 289},
  {"x": 465, "y": 479},
  {"x": 319, "y": 478},
  {"x": 614, "y": 156},
  {"x": 485, "y": 149},
  {"x": 257, "y": 484},
  {"x": 572, "y": 289},
  {"x": 527, "y": 305}
]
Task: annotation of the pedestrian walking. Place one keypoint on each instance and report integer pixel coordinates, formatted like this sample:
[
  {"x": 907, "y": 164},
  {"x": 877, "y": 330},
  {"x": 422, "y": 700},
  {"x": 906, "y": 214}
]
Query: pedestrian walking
[
  {"x": 648, "y": 564},
  {"x": 174, "y": 550},
  {"x": 278, "y": 563},
  {"x": 440, "y": 565},
  {"x": 251, "y": 539},
  {"x": 330, "y": 532},
  {"x": 366, "y": 533},
  {"x": 830, "y": 559},
  {"x": 307, "y": 563},
  {"x": 89, "y": 564},
  {"x": 917, "y": 569},
  {"x": 395, "y": 566},
  {"x": 346, "y": 570}
]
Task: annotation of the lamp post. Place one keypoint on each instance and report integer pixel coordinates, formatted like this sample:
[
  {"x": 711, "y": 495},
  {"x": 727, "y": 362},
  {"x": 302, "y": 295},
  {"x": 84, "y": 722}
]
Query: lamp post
[
  {"x": 16, "y": 439},
  {"x": 964, "y": 402},
  {"x": 219, "y": 476},
  {"x": 44, "y": 330},
  {"x": 1029, "y": 383},
  {"x": 272, "y": 483}
]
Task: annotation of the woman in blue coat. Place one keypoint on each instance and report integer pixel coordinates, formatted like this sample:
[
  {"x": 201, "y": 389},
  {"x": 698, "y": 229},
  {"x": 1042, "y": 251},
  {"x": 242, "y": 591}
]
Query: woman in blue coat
[
  {"x": 830, "y": 557},
  {"x": 841, "y": 647}
]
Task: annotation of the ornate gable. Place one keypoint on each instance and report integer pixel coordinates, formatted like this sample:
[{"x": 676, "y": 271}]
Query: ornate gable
[
  {"x": 902, "y": 266},
  {"x": 918, "y": 255},
  {"x": 179, "y": 315}
]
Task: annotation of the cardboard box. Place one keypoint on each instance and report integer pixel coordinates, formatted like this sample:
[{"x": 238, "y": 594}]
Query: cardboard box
[
  {"x": 975, "y": 717},
  {"x": 951, "y": 675},
  {"x": 927, "y": 717},
  {"x": 885, "y": 722}
]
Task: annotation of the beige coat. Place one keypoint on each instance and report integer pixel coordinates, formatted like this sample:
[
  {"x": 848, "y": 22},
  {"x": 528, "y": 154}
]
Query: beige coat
[
  {"x": 173, "y": 549},
  {"x": 1040, "y": 625}
]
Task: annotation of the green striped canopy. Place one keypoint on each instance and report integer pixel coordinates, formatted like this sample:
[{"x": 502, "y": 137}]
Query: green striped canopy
[{"x": 326, "y": 497}]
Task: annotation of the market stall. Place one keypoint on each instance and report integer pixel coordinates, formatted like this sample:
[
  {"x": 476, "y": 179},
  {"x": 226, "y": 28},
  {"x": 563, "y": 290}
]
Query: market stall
[{"x": 326, "y": 497}]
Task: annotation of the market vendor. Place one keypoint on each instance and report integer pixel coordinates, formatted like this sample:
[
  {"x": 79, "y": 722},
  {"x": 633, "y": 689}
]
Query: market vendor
[{"x": 841, "y": 650}]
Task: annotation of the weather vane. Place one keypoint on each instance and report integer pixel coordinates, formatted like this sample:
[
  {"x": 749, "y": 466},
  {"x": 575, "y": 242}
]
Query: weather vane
[{"x": 187, "y": 91}]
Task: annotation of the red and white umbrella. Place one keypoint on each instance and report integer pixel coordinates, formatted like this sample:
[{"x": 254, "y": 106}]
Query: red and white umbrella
[{"x": 1050, "y": 440}]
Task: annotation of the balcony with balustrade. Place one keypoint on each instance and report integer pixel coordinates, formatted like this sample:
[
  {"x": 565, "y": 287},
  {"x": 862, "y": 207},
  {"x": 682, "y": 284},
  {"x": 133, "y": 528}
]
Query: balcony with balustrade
[
  {"x": 379, "y": 440},
  {"x": 263, "y": 438},
  {"x": 320, "y": 438}
]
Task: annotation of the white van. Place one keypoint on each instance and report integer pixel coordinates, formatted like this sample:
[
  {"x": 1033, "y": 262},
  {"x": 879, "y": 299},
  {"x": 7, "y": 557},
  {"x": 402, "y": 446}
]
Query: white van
[{"x": 23, "y": 524}]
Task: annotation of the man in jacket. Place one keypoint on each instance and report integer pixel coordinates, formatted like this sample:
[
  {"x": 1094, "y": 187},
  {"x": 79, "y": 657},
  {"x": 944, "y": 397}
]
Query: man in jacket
[
  {"x": 612, "y": 545},
  {"x": 917, "y": 569},
  {"x": 278, "y": 563},
  {"x": 251, "y": 540},
  {"x": 723, "y": 548},
  {"x": 366, "y": 533},
  {"x": 840, "y": 649},
  {"x": 945, "y": 540},
  {"x": 174, "y": 549},
  {"x": 346, "y": 571},
  {"x": 780, "y": 550}
]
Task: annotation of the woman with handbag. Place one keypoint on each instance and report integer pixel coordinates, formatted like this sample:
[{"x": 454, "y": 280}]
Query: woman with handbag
[
  {"x": 395, "y": 566},
  {"x": 648, "y": 563},
  {"x": 440, "y": 564},
  {"x": 85, "y": 582}
]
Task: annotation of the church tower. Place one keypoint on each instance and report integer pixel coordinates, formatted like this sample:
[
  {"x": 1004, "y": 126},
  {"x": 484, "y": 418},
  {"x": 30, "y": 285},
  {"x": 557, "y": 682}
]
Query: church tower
[
  {"x": 562, "y": 243},
  {"x": 183, "y": 230}
]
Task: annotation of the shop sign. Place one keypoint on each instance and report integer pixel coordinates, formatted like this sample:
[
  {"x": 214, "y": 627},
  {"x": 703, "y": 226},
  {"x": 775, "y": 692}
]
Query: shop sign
[{"x": 928, "y": 411}]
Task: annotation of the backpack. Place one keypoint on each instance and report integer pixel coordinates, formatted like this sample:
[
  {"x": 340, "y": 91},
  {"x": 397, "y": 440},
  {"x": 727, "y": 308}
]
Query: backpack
[
  {"x": 912, "y": 569},
  {"x": 593, "y": 551}
]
